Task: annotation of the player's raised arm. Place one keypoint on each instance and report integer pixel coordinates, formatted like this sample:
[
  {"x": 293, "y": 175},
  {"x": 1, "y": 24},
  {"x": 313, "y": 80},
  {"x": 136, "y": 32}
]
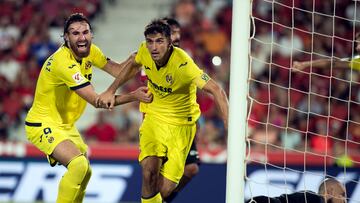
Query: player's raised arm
[{"x": 321, "y": 63}]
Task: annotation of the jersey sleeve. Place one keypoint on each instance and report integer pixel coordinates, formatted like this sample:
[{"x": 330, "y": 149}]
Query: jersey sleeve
[
  {"x": 98, "y": 57},
  {"x": 201, "y": 80},
  {"x": 355, "y": 63},
  {"x": 196, "y": 75},
  {"x": 71, "y": 75},
  {"x": 140, "y": 53}
]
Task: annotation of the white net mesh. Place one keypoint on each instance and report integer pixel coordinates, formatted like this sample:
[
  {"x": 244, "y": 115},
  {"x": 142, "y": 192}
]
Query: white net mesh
[{"x": 304, "y": 125}]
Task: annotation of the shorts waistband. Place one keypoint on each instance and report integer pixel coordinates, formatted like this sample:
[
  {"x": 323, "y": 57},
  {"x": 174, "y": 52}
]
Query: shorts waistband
[{"x": 33, "y": 124}]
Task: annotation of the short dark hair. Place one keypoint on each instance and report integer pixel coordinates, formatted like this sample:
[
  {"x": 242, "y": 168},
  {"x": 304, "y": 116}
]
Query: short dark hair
[
  {"x": 171, "y": 21},
  {"x": 75, "y": 17},
  {"x": 158, "y": 26}
]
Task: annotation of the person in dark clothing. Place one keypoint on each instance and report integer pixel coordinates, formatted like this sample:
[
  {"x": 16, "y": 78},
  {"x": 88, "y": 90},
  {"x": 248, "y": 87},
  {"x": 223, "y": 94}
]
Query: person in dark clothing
[{"x": 330, "y": 191}]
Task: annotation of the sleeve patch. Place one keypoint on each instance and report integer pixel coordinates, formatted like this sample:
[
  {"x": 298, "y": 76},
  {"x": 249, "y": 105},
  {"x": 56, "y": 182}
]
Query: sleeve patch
[
  {"x": 205, "y": 77},
  {"x": 78, "y": 78}
]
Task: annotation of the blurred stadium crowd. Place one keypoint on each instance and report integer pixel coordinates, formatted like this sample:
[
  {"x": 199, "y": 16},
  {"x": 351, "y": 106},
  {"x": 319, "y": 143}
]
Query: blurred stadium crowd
[
  {"x": 296, "y": 110},
  {"x": 316, "y": 110}
]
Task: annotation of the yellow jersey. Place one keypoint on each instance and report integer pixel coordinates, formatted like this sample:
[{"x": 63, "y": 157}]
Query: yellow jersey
[
  {"x": 173, "y": 86},
  {"x": 355, "y": 63},
  {"x": 55, "y": 100}
]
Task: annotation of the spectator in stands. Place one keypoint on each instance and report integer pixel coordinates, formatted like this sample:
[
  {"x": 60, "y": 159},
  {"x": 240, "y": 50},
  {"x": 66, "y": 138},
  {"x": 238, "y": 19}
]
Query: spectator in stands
[
  {"x": 321, "y": 142},
  {"x": 213, "y": 39},
  {"x": 9, "y": 67},
  {"x": 101, "y": 130},
  {"x": 133, "y": 119},
  {"x": 330, "y": 191},
  {"x": 61, "y": 95},
  {"x": 13, "y": 107},
  {"x": 184, "y": 11},
  {"x": 343, "y": 159},
  {"x": 354, "y": 130},
  {"x": 9, "y": 33},
  {"x": 4, "y": 124},
  {"x": 43, "y": 47}
]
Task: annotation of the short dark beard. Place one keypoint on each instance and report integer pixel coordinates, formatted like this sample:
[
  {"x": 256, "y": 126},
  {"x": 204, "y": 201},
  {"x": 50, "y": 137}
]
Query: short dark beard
[{"x": 73, "y": 47}]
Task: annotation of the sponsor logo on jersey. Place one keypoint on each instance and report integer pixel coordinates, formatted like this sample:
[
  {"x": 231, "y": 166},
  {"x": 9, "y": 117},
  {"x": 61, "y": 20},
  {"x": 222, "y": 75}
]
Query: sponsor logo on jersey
[
  {"x": 160, "y": 88},
  {"x": 78, "y": 78}
]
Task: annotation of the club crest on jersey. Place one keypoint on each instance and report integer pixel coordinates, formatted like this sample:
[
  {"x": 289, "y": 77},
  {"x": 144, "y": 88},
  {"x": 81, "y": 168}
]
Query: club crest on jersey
[
  {"x": 78, "y": 78},
  {"x": 88, "y": 65},
  {"x": 169, "y": 79}
]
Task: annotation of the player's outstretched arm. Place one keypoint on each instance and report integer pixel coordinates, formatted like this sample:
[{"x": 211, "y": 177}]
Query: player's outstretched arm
[
  {"x": 321, "y": 63},
  {"x": 129, "y": 70},
  {"x": 220, "y": 97},
  {"x": 141, "y": 94},
  {"x": 114, "y": 68},
  {"x": 88, "y": 94}
]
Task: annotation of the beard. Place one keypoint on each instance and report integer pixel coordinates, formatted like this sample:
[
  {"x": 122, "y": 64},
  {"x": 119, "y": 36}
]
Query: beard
[{"x": 80, "y": 51}]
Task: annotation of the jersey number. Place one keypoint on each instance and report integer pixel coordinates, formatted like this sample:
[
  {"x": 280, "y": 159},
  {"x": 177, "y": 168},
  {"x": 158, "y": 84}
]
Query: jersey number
[
  {"x": 46, "y": 131},
  {"x": 48, "y": 64},
  {"x": 88, "y": 76}
]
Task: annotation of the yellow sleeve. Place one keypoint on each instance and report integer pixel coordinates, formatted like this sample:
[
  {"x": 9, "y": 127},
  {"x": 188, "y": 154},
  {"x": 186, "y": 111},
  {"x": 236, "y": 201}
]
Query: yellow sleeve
[
  {"x": 201, "y": 80},
  {"x": 98, "y": 58},
  {"x": 355, "y": 64},
  {"x": 140, "y": 53},
  {"x": 195, "y": 75},
  {"x": 71, "y": 75}
]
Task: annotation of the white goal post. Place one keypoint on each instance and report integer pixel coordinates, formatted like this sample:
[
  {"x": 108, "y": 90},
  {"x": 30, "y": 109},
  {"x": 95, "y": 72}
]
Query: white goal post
[{"x": 238, "y": 101}]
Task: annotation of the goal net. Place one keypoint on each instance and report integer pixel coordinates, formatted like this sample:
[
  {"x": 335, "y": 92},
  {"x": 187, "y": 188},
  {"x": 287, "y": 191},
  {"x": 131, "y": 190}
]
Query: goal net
[{"x": 304, "y": 125}]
